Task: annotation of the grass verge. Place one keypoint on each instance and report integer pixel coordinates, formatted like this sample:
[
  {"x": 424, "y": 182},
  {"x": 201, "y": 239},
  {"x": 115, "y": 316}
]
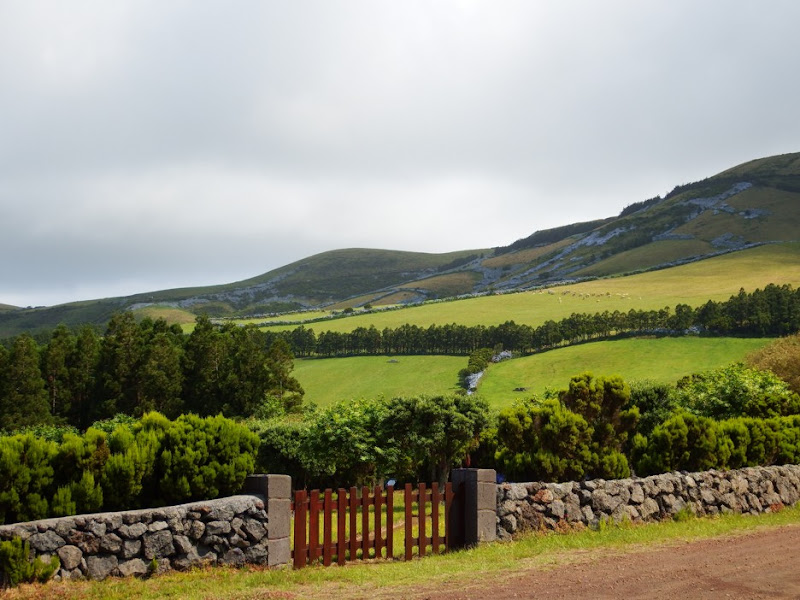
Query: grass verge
[{"x": 390, "y": 580}]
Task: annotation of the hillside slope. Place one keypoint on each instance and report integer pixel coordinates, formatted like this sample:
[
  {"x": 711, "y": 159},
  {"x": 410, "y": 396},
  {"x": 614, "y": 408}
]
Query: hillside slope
[{"x": 754, "y": 203}]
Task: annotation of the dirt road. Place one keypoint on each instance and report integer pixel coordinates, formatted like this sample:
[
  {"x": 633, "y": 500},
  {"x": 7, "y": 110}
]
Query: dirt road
[{"x": 764, "y": 564}]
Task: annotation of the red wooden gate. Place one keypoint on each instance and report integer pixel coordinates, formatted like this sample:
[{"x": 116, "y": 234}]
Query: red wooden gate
[{"x": 376, "y": 507}]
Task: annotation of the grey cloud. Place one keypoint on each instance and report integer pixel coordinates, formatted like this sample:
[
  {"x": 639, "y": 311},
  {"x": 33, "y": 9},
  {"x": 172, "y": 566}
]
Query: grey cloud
[{"x": 136, "y": 130}]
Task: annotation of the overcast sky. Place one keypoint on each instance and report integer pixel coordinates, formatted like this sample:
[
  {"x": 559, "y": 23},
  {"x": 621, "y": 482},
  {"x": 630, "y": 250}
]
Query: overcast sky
[{"x": 147, "y": 145}]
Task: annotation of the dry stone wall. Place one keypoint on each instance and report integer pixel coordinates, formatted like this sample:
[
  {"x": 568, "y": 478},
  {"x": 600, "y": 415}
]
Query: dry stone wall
[
  {"x": 524, "y": 506},
  {"x": 251, "y": 528}
]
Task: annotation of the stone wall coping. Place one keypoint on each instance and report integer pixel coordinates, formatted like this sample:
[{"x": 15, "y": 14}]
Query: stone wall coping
[{"x": 242, "y": 501}]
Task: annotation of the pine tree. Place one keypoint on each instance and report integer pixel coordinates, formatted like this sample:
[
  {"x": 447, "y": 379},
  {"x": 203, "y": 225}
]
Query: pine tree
[{"x": 23, "y": 401}]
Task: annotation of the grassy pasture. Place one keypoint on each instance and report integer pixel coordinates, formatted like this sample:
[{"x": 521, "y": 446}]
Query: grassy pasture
[
  {"x": 661, "y": 359},
  {"x": 711, "y": 279},
  {"x": 169, "y": 313},
  {"x": 650, "y": 255},
  {"x": 525, "y": 256},
  {"x": 327, "y": 380},
  {"x": 451, "y": 284}
]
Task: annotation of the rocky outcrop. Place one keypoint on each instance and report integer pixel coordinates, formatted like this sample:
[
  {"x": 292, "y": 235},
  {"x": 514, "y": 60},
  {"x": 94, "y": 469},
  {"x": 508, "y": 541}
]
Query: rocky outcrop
[{"x": 525, "y": 506}]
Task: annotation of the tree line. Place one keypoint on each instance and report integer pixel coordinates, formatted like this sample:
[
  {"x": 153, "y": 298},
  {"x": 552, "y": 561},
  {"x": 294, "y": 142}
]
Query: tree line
[
  {"x": 773, "y": 311},
  {"x": 80, "y": 377},
  {"x": 134, "y": 367}
]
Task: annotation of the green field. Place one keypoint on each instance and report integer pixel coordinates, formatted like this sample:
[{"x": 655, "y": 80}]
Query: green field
[
  {"x": 326, "y": 380},
  {"x": 661, "y": 359},
  {"x": 182, "y": 317},
  {"x": 711, "y": 279}
]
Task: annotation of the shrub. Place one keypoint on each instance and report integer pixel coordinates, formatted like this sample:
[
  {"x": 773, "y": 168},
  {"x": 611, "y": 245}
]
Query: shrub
[
  {"x": 656, "y": 403},
  {"x": 428, "y": 435},
  {"x": 148, "y": 463},
  {"x": 26, "y": 466},
  {"x": 281, "y": 448},
  {"x": 736, "y": 391},
  {"x": 692, "y": 443},
  {"x": 601, "y": 402},
  {"x": 543, "y": 441},
  {"x": 16, "y": 566},
  {"x": 782, "y": 357},
  {"x": 683, "y": 442},
  {"x": 204, "y": 458}
]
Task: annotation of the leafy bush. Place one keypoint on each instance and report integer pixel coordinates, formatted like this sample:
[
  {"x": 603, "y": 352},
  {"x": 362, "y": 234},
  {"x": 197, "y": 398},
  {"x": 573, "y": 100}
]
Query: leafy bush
[
  {"x": 16, "y": 566},
  {"x": 736, "y": 391},
  {"x": 782, "y": 357},
  {"x": 601, "y": 402},
  {"x": 148, "y": 462},
  {"x": 365, "y": 441},
  {"x": 656, "y": 403},
  {"x": 582, "y": 434},
  {"x": 27, "y": 474},
  {"x": 427, "y": 435},
  {"x": 683, "y": 442},
  {"x": 204, "y": 458},
  {"x": 543, "y": 441},
  {"x": 281, "y": 448},
  {"x": 691, "y": 443}
]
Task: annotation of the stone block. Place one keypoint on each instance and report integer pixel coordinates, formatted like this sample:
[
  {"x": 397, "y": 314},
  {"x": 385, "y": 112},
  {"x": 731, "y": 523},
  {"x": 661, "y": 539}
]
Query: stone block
[
  {"x": 158, "y": 544},
  {"x": 100, "y": 567},
  {"x": 486, "y": 495},
  {"x": 486, "y": 526},
  {"x": 280, "y": 552},
  {"x": 111, "y": 543},
  {"x": 131, "y": 548},
  {"x": 280, "y": 517},
  {"x": 135, "y": 566},
  {"x": 70, "y": 557},
  {"x": 269, "y": 486},
  {"x": 49, "y": 541}
]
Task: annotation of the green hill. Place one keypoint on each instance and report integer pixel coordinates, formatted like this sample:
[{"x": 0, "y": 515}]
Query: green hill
[
  {"x": 716, "y": 278},
  {"x": 748, "y": 205}
]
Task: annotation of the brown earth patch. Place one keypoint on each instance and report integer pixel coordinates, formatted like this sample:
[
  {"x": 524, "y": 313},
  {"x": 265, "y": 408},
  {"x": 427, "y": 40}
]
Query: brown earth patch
[{"x": 763, "y": 564}]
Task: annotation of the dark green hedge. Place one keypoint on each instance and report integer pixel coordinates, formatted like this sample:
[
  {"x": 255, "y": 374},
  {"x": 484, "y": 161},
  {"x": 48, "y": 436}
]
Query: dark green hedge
[
  {"x": 150, "y": 462},
  {"x": 687, "y": 442}
]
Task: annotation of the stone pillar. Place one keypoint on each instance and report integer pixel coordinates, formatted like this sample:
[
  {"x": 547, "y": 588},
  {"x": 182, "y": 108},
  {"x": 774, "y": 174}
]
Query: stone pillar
[
  {"x": 473, "y": 517},
  {"x": 277, "y": 493}
]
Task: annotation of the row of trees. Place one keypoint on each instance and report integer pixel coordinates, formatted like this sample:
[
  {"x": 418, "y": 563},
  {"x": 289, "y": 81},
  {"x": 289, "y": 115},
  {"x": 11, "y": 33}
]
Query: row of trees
[
  {"x": 77, "y": 378},
  {"x": 773, "y": 311},
  {"x": 597, "y": 427}
]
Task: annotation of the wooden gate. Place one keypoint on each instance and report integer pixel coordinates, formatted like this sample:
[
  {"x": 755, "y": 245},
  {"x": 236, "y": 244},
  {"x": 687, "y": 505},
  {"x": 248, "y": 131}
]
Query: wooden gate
[{"x": 365, "y": 523}]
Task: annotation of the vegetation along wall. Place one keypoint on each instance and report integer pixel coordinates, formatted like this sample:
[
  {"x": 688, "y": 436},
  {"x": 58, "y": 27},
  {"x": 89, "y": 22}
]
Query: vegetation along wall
[
  {"x": 249, "y": 528},
  {"x": 525, "y": 506}
]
